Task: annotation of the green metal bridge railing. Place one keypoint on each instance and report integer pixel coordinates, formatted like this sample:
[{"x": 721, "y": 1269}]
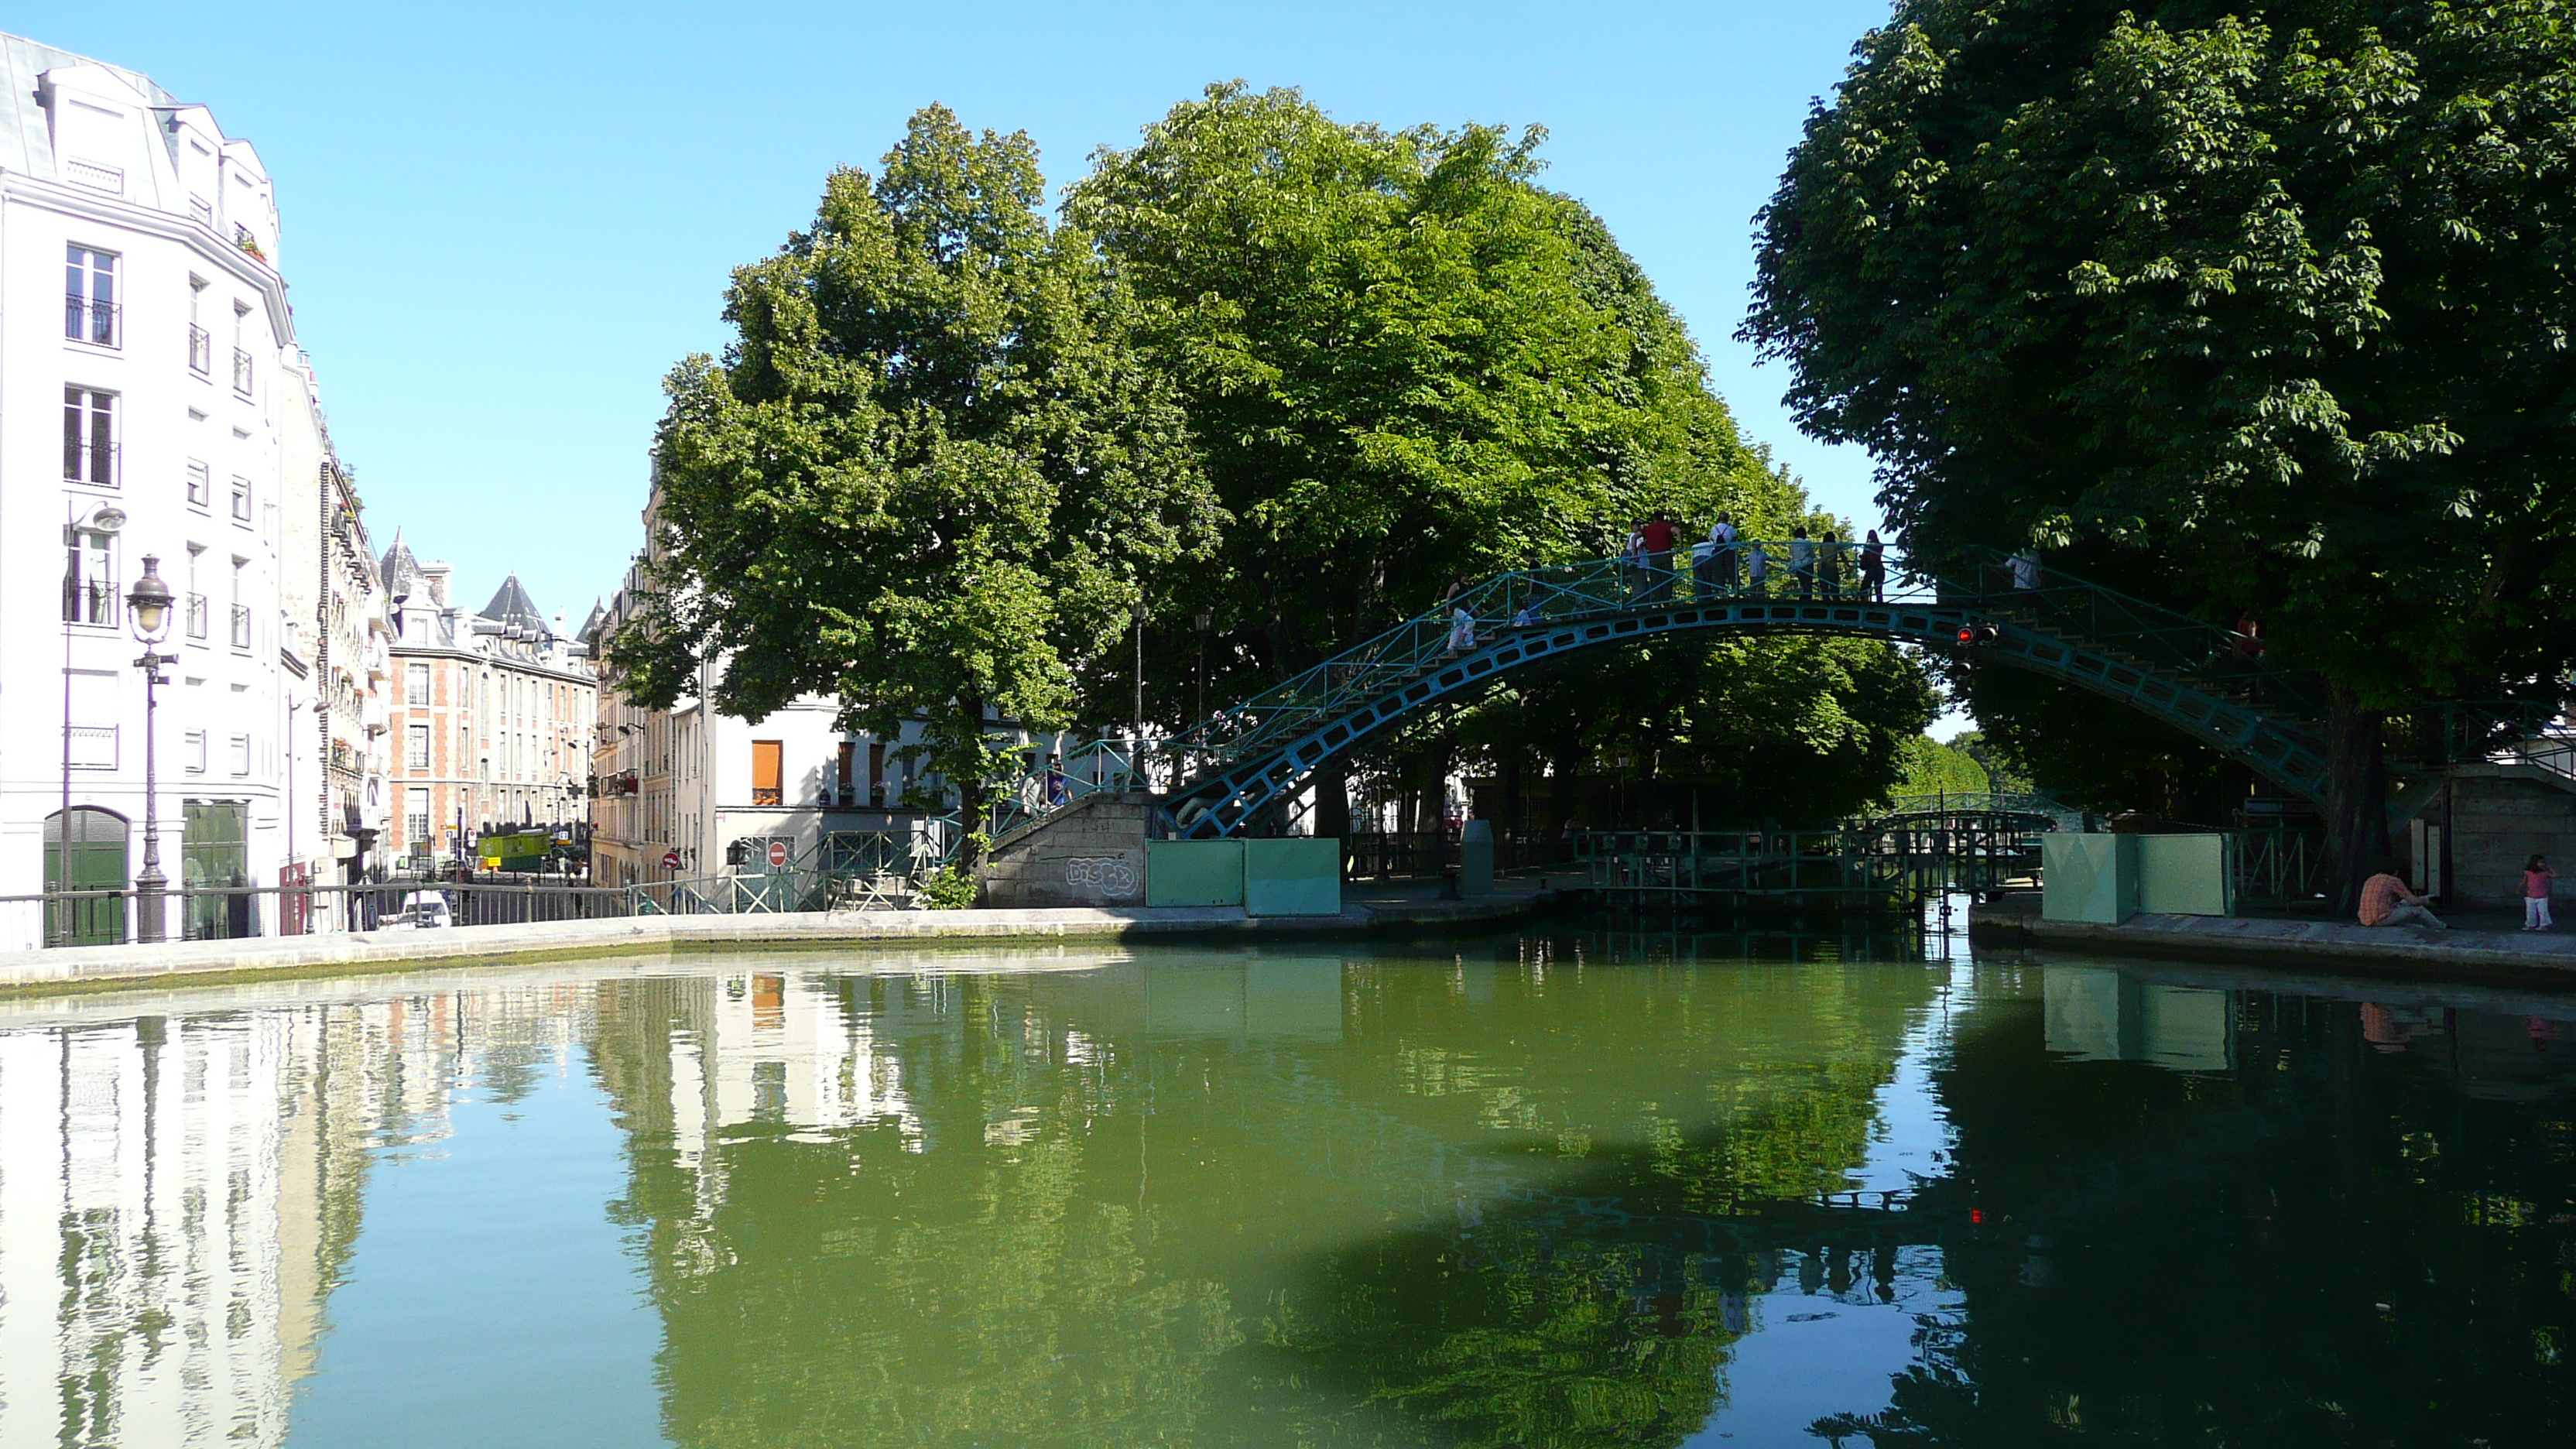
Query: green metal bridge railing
[{"x": 2211, "y": 682}]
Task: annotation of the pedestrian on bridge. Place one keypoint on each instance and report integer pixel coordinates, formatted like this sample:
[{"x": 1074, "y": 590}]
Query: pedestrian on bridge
[
  {"x": 2537, "y": 878},
  {"x": 1829, "y": 566},
  {"x": 2025, "y": 568},
  {"x": 1657, "y": 535},
  {"x": 1757, "y": 567},
  {"x": 1717, "y": 567},
  {"x": 1802, "y": 563},
  {"x": 1873, "y": 569},
  {"x": 1462, "y": 623},
  {"x": 1632, "y": 559}
]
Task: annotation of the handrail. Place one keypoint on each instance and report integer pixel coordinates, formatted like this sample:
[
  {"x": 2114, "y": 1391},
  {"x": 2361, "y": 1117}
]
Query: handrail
[{"x": 1557, "y": 594}]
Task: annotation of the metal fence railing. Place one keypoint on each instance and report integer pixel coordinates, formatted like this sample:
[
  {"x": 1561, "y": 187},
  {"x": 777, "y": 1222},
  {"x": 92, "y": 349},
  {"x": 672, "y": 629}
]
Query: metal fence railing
[
  {"x": 852, "y": 879},
  {"x": 2279, "y": 867}
]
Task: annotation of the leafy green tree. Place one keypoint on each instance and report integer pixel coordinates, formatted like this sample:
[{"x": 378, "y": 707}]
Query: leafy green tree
[
  {"x": 1406, "y": 362},
  {"x": 1797, "y": 729},
  {"x": 932, "y": 475},
  {"x": 2261, "y": 307},
  {"x": 1932, "y": 767}
]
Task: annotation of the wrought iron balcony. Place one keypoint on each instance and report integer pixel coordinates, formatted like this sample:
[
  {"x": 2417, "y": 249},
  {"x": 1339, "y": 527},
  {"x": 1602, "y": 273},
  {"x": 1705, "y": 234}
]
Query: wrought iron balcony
[
  {"x": 91, "y": 601},
  {"x": 199, "y": 616},
  {"x": 100, "y": 323},
  {"x": 241, "y": 372},
  {"x": 241, "y": 626},
  {"x": 201, "y": 350},
  {"x": 91, "y": 463}
]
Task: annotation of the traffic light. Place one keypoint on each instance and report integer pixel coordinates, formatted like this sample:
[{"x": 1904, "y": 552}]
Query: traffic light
[{"x": 1977, "y": 631}]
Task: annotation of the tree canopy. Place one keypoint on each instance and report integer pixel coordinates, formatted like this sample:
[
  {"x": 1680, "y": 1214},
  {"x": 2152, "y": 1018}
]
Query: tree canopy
[
  {"x": 1405, "y": 361},
  {"x": 932, "y": 475},
  {"x": 2261, "y": 308}
]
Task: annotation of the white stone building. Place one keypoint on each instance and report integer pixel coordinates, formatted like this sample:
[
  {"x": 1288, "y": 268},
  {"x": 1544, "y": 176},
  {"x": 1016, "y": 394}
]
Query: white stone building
[{"x": 153, "y": 405}]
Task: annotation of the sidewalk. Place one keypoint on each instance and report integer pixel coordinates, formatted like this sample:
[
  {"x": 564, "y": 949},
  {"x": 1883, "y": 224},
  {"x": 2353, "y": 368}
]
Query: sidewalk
[
  {"x": 1367, "y": 907},
  {"x": 2481, "y": 946}
]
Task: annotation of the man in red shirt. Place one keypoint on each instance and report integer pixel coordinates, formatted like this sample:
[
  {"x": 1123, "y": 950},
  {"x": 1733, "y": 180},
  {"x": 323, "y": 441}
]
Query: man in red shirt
[
  {"x": 2385, "y": 901},
  {"x": 1658, "y": 534}
]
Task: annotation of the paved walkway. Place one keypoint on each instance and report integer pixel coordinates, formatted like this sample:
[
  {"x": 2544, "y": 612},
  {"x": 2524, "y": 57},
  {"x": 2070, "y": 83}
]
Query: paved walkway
[
  {"x": 1398, "y": 906},
  {"x": 2481, "y": 946}
]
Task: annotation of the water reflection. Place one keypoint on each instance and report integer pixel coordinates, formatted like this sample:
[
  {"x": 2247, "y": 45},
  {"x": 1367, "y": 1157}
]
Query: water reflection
[{"x": 1610, "y": 1189}]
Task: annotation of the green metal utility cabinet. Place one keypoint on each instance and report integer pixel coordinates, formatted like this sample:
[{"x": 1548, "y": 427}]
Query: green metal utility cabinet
[
  {"x": 1295, "y": 875},
  {"x": 2088, "y": 877},
  {"x": 1194, "y": 872},
  {"x": 2186, "y": 875}
]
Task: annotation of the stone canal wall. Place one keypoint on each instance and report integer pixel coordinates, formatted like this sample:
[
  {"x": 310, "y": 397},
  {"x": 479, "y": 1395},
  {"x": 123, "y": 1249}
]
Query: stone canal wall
[
  {"x": 1091, "y": 853},
  {"x": 82, "y": 968}
]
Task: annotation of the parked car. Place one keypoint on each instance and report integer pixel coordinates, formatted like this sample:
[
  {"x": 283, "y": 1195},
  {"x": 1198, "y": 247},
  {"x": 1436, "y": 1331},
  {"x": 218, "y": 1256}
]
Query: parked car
[{"x": 421, "y": 911}]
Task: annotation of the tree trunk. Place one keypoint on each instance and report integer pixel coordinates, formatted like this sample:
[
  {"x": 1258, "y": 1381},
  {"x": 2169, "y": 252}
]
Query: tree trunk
[
  {"x": 974, "y": 793},
  {"x": 2356, "y": 797},
  {"x": 1333, "y": 799}
]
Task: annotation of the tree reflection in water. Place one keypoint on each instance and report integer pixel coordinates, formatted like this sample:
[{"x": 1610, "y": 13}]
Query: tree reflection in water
[{"x": 1245, "y": 1200}]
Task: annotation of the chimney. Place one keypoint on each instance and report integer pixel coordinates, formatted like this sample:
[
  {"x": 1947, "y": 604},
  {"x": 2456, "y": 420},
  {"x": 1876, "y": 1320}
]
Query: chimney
[{"x": 435, "y": 575}]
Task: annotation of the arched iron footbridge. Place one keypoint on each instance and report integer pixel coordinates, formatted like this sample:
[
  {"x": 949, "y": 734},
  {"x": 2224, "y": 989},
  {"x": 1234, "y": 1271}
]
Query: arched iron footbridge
[{"x": 2211, "y": 684}]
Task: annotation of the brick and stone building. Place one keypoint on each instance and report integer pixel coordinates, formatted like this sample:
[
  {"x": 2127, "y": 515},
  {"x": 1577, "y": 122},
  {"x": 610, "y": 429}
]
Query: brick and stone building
[{"x": 491, "y": 714}]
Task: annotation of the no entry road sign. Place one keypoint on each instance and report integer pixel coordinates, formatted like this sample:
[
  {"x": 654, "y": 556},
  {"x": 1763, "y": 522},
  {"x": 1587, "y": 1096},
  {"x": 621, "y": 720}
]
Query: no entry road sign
[{"x": 778, "y": 855}]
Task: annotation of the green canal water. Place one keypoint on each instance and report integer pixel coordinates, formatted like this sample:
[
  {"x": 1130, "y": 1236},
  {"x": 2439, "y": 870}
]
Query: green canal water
[{"x": 1580, "y": 1187}]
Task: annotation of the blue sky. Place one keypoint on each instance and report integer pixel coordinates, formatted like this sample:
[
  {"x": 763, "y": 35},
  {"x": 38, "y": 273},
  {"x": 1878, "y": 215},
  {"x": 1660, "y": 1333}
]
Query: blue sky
[{"x": 504, "y": 224}]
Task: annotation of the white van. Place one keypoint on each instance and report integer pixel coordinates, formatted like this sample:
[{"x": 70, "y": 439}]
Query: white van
[{"x": 421, "y": 911}]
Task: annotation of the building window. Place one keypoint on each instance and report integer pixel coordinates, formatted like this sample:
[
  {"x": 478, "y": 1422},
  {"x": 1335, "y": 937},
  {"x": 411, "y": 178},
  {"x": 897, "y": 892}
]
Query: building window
[
  {"x": 201, "y": 485},
  {"x": 416, "y": 748},
  {"x": 89, "y": 578},
  {"x": 241, "y": 754},
  {"x": 199, "y": 612},
  {"x": 766, "y": 767},
  {"x": 417, "y": 685},
  {"x": 241, "y": 611},
  {"x": 192, "y": 752},
  {"x": 89, "y": 437},
  {"x": 416, "y": 819},
  {"x": 201, "y": 343},
  {"x": 89, "y": 297},
  {"x": 241, "y": 500},
  {"x": 241, "y": 355}
]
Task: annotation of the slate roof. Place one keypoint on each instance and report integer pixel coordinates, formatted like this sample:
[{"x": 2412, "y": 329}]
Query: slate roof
[
  {"x": 512, "y": 608},
  {"x": 400, "y": 571},
  {"x": 26, "y": 142}
]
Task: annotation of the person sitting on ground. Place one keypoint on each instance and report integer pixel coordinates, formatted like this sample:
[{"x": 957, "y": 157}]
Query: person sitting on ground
[
  {"x": 2385, "y": 901},
  {"x": 2537, "y": 878}
]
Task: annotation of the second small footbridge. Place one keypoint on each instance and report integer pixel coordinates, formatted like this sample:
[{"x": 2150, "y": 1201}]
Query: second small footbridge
[{"x": 1237, "y": 769}]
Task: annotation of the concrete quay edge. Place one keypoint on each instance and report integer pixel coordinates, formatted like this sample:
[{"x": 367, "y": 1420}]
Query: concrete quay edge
[
  {"x": 2535, "y": 959},
  {"x": 183, "y": 963}
]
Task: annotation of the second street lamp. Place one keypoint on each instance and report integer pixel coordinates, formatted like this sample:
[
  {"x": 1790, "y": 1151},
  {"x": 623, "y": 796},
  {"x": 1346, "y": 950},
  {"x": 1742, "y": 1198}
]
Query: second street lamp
[{"x": 149, "y": 604}]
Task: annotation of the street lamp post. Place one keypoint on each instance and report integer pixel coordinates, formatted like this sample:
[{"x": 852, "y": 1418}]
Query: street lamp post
[
  {"x": 149, "y": 604},
  {"x": 106, "y": 521}
]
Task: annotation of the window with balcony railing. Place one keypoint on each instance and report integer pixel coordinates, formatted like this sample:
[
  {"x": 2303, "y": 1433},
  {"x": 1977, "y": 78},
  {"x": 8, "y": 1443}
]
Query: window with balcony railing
[
  {"x": 241, "y": 372},
  {"x": 200, "y": 616},
  {"x": 92, "y": 322},
  {"x": 89, "y": 578},
  {"x": 89, "y": 437},
  {"x": 89, "y": 296},
  {"x": 241, "y": 626},
  {"x": 201, "y": 350}
]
